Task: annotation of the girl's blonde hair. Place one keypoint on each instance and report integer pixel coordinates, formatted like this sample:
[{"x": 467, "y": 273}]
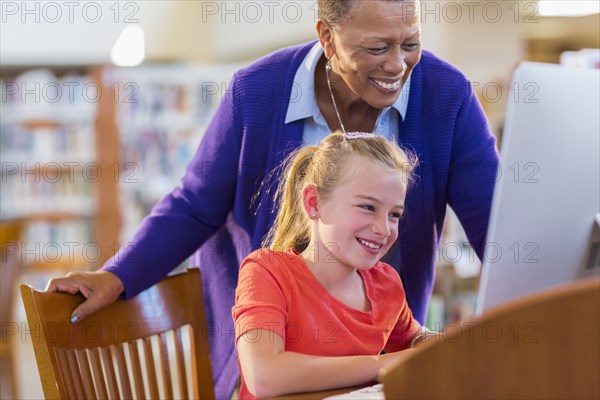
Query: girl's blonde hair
[{"x": 323, "y": 167}]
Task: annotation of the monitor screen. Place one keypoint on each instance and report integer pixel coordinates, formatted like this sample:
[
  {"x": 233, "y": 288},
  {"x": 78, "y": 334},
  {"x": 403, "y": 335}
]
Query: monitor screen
[{"x": 545, "y": 221}]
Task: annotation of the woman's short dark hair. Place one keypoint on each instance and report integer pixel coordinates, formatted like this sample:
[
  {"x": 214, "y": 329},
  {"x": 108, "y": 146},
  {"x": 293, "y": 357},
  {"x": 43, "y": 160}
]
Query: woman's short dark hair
[{"x": 335, "y": 11}]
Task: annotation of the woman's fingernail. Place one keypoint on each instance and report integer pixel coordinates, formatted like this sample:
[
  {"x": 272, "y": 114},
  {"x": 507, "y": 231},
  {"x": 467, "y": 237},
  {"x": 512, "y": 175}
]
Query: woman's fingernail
[{"x": 75, "y": 318}]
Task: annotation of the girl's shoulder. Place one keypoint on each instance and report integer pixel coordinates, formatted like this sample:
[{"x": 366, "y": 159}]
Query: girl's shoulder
[
  {"x": 384, "y": 277},
  {"x": 275, "y": 261},
  {"x": 269, "y": 255},
  {"x": 384, "y": 269}
]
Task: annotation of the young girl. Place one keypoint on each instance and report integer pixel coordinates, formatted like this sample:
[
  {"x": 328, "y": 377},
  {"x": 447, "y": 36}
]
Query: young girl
[{"x": 315, "y": 309}]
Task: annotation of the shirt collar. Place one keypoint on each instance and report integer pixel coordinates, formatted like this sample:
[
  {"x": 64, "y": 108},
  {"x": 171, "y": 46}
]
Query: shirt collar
[{"x": 303, "y": 103}]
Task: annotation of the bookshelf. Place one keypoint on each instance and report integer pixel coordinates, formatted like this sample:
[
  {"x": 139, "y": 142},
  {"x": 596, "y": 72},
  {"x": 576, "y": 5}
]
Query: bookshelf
[
  {"x": 160, "y": 116},
  {"x": 457, "y": 277},
  {"x": 53, "y": 155},
  {"x": 86, "y": 155}
]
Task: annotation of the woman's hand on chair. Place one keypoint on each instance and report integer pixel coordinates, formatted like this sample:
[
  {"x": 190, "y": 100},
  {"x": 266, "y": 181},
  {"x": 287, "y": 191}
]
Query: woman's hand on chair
[{"x": 100, "y": 288}]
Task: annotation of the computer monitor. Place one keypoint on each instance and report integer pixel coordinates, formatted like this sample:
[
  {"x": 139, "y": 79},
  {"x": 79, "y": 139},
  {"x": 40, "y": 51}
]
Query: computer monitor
[{"x": 545, "y": 222}]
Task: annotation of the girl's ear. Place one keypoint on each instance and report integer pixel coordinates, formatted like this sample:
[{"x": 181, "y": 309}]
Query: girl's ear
[
  {"x": 325, "y": 34},
  {"x": 310, "y": 201}
]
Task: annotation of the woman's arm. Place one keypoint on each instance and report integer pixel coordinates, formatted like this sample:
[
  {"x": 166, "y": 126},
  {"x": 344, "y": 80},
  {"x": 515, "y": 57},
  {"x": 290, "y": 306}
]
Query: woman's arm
[
  {"x": 188, "y": 216},
  {"x": 473, "y": 170},
  {"x": 177, "y": 226},
  {"x": 269, "y": 370}
]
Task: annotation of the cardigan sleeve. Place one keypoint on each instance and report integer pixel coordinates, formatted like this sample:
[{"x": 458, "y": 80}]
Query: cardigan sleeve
[
  {"x": 191, "y": 213},
  {"x": 473, "y": 170}
]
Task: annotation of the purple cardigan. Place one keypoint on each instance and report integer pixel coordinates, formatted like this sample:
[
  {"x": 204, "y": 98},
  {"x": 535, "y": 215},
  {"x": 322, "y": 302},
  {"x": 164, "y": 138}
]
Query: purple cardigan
[{"x": 212, "y": 209}]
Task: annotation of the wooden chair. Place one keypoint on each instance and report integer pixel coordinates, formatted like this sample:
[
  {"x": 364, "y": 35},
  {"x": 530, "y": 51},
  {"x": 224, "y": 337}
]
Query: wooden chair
[
  {"x": 10, "y": 235},
  {"x": 545, "y": 346},
  {"x": 154, "y": 345}
]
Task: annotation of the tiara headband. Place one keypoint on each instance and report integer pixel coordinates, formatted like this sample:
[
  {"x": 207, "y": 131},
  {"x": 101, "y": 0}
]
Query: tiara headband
[{"x": 359, "y": 135}]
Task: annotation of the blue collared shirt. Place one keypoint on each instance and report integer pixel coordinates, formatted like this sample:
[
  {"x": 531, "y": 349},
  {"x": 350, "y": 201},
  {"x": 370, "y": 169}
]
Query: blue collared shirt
[{"x": 303, "y": 104}]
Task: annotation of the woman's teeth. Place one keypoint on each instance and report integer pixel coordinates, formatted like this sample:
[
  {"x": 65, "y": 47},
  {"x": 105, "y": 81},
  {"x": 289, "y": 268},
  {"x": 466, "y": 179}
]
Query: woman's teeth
[{"x": 388, "y": 86}]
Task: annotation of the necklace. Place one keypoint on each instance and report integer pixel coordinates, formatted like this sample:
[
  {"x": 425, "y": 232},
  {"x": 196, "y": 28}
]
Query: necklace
[{"x": 337, "y": 112}]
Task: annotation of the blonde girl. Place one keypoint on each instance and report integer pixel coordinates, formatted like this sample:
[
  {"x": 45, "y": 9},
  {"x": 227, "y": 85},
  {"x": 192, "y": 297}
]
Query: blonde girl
[{"x": 316, "y": 308}]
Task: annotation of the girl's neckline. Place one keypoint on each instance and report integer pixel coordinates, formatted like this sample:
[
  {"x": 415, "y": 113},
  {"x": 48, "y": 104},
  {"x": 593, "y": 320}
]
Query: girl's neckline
[{"x": 363, "y": 275}]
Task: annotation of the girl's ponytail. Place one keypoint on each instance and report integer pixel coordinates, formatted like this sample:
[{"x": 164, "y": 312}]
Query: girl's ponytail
[{"x": 291, "y": 229}]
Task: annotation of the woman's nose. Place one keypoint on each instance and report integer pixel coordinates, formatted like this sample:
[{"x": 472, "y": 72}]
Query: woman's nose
[{"x": 395, "y": 63}]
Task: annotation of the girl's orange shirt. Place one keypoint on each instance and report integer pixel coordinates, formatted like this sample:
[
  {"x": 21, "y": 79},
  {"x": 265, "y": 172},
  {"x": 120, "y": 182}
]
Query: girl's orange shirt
[{"x": 278, "y": 294}]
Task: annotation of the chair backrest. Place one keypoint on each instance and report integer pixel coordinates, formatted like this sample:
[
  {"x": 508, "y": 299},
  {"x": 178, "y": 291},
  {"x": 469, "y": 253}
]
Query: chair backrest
[
  {"x": 154, "y": 345},
  {"x": 543, "y": 346}
]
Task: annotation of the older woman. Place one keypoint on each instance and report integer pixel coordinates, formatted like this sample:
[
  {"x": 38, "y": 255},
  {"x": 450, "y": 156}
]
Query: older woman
[{"x": 366, "y": 73}]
